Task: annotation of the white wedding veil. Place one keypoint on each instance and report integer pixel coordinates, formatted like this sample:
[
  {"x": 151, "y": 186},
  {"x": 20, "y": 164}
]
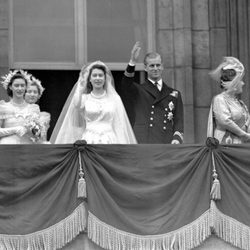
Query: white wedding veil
[{"x": 71, "y": 125}]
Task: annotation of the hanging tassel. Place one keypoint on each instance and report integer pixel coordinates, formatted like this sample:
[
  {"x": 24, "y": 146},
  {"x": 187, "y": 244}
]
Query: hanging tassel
[
  {"x": 81, "y": 188},
  {"x": 215, "y": 193},
  {"x": 81, "y": 182}
]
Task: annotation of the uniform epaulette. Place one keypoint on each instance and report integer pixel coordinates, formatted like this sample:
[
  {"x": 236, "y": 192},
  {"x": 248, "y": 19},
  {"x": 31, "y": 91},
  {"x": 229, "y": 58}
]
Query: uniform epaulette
[{"x": 174, "y": 93}]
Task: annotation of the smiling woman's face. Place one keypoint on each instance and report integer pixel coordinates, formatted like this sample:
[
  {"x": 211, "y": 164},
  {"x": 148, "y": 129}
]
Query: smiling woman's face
[
  {"x": 18, "y": 88},
  {"x": 32, "y": 94},
  {"x": 97, "y": 78}
]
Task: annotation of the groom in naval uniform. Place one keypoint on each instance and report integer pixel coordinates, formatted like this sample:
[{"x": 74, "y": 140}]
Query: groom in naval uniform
[{"x": 155, "y": 109}]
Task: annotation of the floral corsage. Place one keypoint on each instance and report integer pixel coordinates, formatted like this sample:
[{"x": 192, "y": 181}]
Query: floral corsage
[{"x": 34, "y": 128}]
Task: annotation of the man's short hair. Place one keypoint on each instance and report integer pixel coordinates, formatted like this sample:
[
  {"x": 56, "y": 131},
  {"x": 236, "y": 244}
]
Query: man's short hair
[{"x": 150, "y": 55}]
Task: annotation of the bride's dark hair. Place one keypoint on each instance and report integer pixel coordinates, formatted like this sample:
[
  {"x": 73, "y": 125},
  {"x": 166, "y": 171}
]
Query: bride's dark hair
[{"x": 96, "y": 66}]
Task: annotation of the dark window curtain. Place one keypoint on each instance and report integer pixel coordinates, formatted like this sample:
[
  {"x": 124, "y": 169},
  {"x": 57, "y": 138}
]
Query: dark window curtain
[{"x": 57, "y": 84}]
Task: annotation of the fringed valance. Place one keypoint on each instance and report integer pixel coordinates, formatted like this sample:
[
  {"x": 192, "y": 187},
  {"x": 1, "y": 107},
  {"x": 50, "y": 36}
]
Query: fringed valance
[
  {"x": 39, "y": 208},
  {"x": 139, "y": 197},
  {"x": 187, "y": 237},
  {"x": 50, "y": 238}
]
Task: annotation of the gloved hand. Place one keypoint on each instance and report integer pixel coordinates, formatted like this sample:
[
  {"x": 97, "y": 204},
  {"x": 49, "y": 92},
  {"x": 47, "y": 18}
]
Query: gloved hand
[{"x": 19, "y": 130}]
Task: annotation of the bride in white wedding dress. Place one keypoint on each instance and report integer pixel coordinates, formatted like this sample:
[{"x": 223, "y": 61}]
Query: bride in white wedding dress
[{"x": 94, "y": 111}]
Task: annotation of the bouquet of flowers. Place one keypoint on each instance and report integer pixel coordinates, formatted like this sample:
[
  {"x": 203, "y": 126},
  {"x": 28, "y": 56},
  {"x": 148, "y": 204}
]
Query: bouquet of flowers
[{"x": 34, "y": 127}]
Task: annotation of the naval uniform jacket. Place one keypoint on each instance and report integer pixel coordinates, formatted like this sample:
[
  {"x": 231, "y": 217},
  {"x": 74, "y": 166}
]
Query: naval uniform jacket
[{"x": 156, "y": 116}]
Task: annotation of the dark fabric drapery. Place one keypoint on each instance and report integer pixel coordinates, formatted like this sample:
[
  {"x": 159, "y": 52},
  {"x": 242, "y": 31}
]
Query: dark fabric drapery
[
  {"x": 38, "y": 190},
  {"x": 231, "y": 213},
  {"x": 138, "y": 196},
  {"x": 144, "y": 190},
  {"x": 233, "y": 168}
]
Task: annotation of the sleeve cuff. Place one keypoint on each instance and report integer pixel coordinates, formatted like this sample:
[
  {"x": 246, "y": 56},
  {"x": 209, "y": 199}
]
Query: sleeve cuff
[
  {"x": 130, "y": 71},
  {"x": 178, "y": 136}
]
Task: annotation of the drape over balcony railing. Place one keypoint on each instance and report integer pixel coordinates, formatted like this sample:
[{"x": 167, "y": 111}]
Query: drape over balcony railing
[{"x": 137, "y": 196}]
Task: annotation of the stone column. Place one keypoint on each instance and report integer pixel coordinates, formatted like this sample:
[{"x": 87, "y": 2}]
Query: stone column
[
  {"x": 173, "y": 29},
  {"x": 4, "y": 42},
  {"x": 201, "y": 67}
]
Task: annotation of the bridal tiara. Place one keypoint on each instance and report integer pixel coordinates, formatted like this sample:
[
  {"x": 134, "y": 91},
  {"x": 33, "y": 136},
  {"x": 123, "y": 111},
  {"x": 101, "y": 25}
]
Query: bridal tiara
[
  {"x": 7, "y": 78},
  {"x": 38, "y": 83},
  {"x": 28, "y": 77}
]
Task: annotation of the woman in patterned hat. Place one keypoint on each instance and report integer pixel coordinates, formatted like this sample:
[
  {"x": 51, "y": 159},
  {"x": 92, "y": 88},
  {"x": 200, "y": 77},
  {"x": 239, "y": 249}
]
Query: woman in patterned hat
[{"x": 229, "y": 118}]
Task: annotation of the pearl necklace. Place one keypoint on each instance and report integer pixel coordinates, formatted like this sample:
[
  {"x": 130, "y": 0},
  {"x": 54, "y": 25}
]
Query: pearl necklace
[
  {"x": 18, "y": 104},
  {"x": 98, "y": 96}
]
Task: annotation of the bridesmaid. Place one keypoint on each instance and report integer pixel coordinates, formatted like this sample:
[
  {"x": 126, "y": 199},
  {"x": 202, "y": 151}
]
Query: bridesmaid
[
  {"x": 15, "y": 113},
  {"x": 32, "y": 96}
]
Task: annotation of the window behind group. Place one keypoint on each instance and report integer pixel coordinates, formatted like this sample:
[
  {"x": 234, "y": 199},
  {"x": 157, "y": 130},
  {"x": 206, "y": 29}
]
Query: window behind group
[
  {"x": 62, "y": 34},
  {"x": 53, "y": 39}
]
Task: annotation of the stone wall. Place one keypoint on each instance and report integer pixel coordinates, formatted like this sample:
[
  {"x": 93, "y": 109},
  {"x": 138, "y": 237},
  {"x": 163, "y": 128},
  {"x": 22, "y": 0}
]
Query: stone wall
[
  {"x": 193, "y": 37},
  {"x": 4, "y": 42},
  {"x": 201, "y": 66},
  {"x": 191, "y": 41},
  {"x": 174, "y": 43}
]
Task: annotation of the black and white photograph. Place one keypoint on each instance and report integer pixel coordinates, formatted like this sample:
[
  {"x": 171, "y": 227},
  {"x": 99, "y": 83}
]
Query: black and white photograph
[{"x": 124, "y": 124}]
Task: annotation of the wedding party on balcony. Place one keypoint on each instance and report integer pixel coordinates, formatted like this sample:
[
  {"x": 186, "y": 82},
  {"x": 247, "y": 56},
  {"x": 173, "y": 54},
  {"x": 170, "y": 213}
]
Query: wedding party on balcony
[{"x": 124, "y": 125}]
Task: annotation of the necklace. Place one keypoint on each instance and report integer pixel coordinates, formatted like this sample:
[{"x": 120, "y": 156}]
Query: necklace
[
  {"x": 98, "y": 96},
  {"x": 18, "y": 104}
]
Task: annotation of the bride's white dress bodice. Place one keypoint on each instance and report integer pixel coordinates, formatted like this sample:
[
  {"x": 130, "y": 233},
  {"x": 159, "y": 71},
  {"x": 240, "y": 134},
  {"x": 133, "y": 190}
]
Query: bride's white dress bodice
[{"x": 98, "y": 114}]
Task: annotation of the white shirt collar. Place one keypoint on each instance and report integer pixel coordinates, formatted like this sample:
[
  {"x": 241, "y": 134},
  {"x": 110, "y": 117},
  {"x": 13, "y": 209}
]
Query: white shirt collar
[{"x": 159, "y": 85}]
